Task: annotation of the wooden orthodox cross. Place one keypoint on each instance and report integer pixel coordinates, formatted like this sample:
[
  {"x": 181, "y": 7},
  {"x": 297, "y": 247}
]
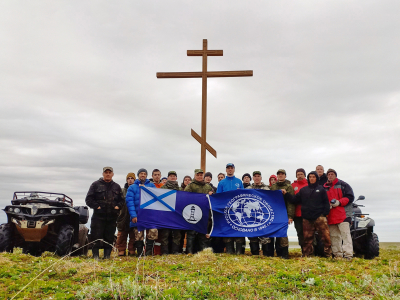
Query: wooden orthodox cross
[{"x": 204, "y": 74}]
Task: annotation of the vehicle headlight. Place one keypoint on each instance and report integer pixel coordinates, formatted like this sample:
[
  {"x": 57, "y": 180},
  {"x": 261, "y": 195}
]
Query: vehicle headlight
[
  {"x": 53, "y": 211},
  {"x": 17, "y": 210},
  {"x": 61, "y": 211},
  {"x": 10, "y": 209}
]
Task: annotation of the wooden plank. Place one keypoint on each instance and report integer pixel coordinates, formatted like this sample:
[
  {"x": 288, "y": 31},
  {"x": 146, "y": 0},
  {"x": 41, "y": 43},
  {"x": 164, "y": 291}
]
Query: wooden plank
[
  {"x": 179, "y": 74},
  {"x": 230, "y": 73},
  {"x": 208, "y": 52},
  {"x": 200, "y": 140}
]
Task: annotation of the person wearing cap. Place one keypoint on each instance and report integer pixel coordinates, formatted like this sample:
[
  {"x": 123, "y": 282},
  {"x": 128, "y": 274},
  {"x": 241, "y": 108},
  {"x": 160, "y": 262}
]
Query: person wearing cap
[
  {"x": 340, "y": 195},
  {"x": 298, "y": 220},
  {"x": 133, "y": 202},
  {"x": 171, "y": 184},
  {"x": 322, "y": 178},
  {"x": 124, "y": 231},
  {"x": 272, "y": 180},
  {"x": 314, "y": 209},
  {"x": 198, "y": 186},
  {"x": 104, "y": 197},
  {"x": 231, "y": 183},
  {"x": 255, "y": 241},
  {"x": 156, "y": 176},
  {"x": 246, "y": 178},
  {"x": 207, "y": 179},
  {"x": 282, "y": 243},
  {"x": 220, "y": 176}
]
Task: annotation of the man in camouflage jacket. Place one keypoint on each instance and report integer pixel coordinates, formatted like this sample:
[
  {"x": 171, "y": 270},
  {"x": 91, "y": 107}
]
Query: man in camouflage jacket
[
  {"x": 198, "y": 186},
  {"x": 104, "y": 197},
  {"x": 171, "y": 184},
  {"x": 283, "y": 184}
]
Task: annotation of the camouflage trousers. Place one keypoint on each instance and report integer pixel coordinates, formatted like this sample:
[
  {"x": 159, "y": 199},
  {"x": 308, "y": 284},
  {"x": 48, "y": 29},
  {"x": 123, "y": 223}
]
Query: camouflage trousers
[
  {"x": 151, "y": 234},
  {"x": 309, "y": 228},
  {"x": 122, "y": 237},
  {"x": 282, "y": 241},
  {"x": 236, "y": 239},
  {"x": 139, "y": 235},
  {"x": 164, "y": 235},
  {"x": 262, "y": 240}
]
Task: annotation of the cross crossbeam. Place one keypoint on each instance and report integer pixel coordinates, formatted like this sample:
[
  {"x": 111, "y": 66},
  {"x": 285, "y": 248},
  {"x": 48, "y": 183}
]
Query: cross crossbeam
[{"x": 204, "y": 74}]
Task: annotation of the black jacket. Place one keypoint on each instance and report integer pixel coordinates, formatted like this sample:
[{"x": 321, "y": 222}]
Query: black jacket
[
  {"x": 107, "y": 195},
  {"x": 313, "y": 199},
  {"x": 322, "y": 180}
]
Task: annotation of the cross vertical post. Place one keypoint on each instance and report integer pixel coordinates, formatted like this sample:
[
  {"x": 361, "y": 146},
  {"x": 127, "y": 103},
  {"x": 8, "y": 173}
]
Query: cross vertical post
[{"x": 204, "y": 107}]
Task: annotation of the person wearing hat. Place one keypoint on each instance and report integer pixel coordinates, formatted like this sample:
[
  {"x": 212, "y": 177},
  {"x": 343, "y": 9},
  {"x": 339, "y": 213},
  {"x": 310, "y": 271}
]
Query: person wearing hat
[
  {"x": 255, "y": 241},
  {"x": 314, "y": 209},
  {"x": 246, "y": 178},
  {"x": 104, "y": 197},
  {"x": 123, "y": 222},
  {"x": 207, "y": 179},
  {"x": 298, "y": 220},
  {"x": 198, "y": 186},
  {"x": 272, "y": 180},
  {"x": 340, "y": 195},
  {"x": 133, "y": 202},
  {"x": 171, "y": 184},
  {"x": 282, "y": 243},
  {"x": 231, "y": 183}
]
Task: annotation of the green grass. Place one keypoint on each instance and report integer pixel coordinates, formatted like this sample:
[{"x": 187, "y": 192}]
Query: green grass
[{"x": 202, "y": 276}]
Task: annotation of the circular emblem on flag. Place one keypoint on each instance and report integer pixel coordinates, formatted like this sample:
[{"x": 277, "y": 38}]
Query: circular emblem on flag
[
  {"x": 192, "y": 213},
  {"x": 249, "y": 212}
]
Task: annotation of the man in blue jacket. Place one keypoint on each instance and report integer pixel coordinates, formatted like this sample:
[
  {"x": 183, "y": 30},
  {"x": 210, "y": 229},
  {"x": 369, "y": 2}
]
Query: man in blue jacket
[
  {"x": 230, "y": 183},
  {"x": 133, "y": 203}
]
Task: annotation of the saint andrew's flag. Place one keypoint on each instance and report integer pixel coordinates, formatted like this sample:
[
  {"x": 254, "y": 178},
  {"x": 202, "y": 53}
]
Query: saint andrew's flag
[
  {"x": 163, "y": 208},
  {"x": 249, "y": 213}
]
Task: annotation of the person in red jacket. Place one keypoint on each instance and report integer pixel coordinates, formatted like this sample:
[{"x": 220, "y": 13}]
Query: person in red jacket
[
  {"x": 339, "y": 194},
  {"x": 298, "y": 220},
  {"x": 272, "y": 180}
]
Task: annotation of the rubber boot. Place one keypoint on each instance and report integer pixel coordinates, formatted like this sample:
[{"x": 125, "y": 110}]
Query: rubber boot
[
  {"x": 230, "y": 247},
  {"x": 254, "y": 248},
  {"x": 190, "y": 245},
  {"x": 175, "y": 248},
  {"x": 139, "y": 248},
  {"x": 107, "y": 253},
  {"x": 239, "y": 248},
  {"x": 268, "y": 249},
  {"x": 149, "y": 247},
  {"x": 285, "y": 253},
  {"x": 164, "y": 250},
  {"x": 95, "y": 252}
]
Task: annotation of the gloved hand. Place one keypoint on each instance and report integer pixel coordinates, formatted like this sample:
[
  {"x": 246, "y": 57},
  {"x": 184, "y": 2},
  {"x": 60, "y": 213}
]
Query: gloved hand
[{"x": 335, "y": 203}]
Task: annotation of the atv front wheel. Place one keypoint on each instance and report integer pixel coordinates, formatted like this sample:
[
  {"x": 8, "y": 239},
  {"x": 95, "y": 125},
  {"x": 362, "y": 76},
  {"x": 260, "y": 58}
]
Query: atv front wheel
[
  {"x": 6, "y": 238},
  {"x": 372, "y": 249},
  {"x": 64, "y": 240}
]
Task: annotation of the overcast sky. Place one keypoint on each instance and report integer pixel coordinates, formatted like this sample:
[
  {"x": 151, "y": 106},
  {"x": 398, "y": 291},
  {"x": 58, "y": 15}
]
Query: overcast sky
[{"x": 78, "y": 92}]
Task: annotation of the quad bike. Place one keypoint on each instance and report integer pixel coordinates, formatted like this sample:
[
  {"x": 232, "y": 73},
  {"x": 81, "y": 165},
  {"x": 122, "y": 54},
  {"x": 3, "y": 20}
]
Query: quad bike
[
  {"x": 42, "y": 221},
  {"x": 365, "y": 240}
]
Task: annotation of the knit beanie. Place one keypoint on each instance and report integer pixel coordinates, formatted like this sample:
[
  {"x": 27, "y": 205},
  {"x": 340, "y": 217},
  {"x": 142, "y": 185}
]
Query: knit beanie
[
  {"x": 301, "y": 170},
  {"x": 131, "y": 175},
  {"x": 246, "y": 174},
  {"x": 331, "y": 170},
  {"x": 141, "y": 170}
]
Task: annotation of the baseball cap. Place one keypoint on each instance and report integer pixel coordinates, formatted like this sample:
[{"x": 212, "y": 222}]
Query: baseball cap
[
  {"x": 256, "y": 172},
  {"x": 108, "y": 168},
  {"x": 281, "y": 171},
  {"x": 172, "y": 172},
  {"x": 198, "y": 171},
  {"x": 230, "y": 165}
]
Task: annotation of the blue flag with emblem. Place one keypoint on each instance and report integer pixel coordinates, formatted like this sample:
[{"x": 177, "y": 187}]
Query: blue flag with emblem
[
  {"x": 249, "y": 213},
  {"x": 163, "y": 208}
]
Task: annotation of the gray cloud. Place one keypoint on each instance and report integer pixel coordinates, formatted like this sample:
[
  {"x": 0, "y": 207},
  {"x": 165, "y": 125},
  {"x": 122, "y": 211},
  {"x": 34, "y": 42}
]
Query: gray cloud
[{"x": 78, "y": 91}]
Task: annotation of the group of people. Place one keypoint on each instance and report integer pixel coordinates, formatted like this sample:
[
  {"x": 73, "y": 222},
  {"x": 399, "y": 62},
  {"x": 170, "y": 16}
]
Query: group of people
[{"x": 321, "y": 202}]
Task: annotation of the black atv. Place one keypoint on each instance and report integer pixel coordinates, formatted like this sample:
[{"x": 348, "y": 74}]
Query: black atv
[
  {"x": 41, "y": 221},
  {"x": 365, "y": 240}
]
